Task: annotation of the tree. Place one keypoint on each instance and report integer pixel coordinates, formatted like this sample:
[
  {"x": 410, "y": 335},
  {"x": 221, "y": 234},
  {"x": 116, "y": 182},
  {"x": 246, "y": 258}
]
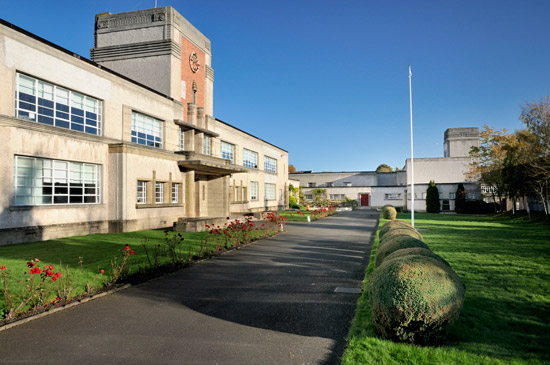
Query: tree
[
  {"x": 460, "y": 198},
  {"x": 384, "y": 168},
  {"x": 488, "y": 160},
  {"x": 319, "y": 195},
  {"x": 432, "y": 198},
  {"x": 536, "y": 117},
  {"x": 291, "y": 169}
]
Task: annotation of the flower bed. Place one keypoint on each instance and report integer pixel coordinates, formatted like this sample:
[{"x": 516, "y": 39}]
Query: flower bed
[{"x": 31, "y": 286}]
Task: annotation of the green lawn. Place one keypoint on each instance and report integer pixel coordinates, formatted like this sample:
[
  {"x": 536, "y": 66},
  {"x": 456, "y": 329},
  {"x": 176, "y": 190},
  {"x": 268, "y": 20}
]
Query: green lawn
[
  {"x": 294, "y": 216},
  {"x": 505, "y": 264},
  {"x": 97, "y": 251}
]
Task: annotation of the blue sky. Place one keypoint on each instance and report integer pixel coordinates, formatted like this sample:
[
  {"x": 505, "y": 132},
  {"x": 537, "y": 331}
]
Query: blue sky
[{"x": 328, "y": 80}]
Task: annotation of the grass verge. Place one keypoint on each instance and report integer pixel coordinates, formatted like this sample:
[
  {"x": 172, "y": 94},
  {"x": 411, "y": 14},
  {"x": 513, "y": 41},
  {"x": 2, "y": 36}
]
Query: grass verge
[
  {"x": 505, "y": 264},
  {"x": 98, "y": 250}
]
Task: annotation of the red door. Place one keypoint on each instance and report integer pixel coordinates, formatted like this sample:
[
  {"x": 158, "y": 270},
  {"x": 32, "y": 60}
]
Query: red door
[{"x": 364, "y": 200}]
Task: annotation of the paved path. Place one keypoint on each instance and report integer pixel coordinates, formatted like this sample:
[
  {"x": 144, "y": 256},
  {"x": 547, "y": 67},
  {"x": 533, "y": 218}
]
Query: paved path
[{"x": 272, "y": 302}]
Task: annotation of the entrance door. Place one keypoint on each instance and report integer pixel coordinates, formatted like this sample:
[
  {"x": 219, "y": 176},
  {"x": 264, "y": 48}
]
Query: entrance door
[{"x": 364, "y": 200}]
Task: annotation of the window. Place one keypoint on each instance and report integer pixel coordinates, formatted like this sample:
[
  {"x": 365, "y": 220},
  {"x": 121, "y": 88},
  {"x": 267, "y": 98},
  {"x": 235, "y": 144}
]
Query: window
[
  {"x": 445, "y": 206},
  {"x": 228, "y": 151},
  {"x": 207, "y": 145},
  {"x": 329, "y": 184},
  {"x": 424, "y": 196},
  {"x": 159, "y": 193},
  {"x": 392, "y": 196},
  {"x": 270, "y": 164},
  {"x": 175, "y": 193},
  {"x": 269, "y": 191},
  {"x": 347, "y": 183},
  {"x": 409, "y": 196},
  {"x": 253, "y": 190},
  {"x": 452, "y": 195},
  {"x": 337, "y": 196},
  {"x": 146, "y": 130},
  {"x": 42, "y": 102},
  {"x": 250, "y": 159},
  {"x": 142, "y": 192},
  {"x": 40, "y": 181},
  {"x": 182, "y": 140},
  {"x": 311, "y": 184},
  {"x": 309, "y": 196}
]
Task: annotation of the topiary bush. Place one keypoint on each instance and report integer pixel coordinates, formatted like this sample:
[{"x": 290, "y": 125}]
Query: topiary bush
[
  {"x": 395, "y": 244},
  {"x": 389, "y": 212},
  {"x": 415, "y": 251},
  {"x": 407, "y": 231},
  {"x": 415, "y": 299},
  {"x": 396, "y": 223}
]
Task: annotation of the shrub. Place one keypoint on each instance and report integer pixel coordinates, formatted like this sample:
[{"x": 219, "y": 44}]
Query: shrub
[
  {"x": 401, "y": 231},
  {"x": 415, "y": 251},
  {"x": 415, "y": 299},
  {"x": 395, "y": 244},
  {"x": 460, "y": 198},
  {"x": 479, "y": 207},
  {"x": 392, "y": 224},
  {"x": 389, "y": 212},
  {"x": 432, "y": 198}
]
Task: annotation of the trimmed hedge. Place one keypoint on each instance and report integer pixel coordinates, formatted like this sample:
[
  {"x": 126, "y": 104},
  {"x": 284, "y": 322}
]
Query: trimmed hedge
[
  {"x": 389, "y": 212},
  {"x": 393, "y": 224},
  {"x": 395, "y": 244},
  {"x": 415, "y": 298},
  {"x": 400, "y": 231},
  {"x": 416, "y": 251}
]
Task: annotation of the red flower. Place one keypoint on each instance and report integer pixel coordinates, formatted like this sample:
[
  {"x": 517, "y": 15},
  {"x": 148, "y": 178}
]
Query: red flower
[
  {"x": 245, "y": 234},
  {"x": 102, "y": 271},
  {"x": 131, "y": 252},
  {"x": 2, "y": 268},
  {"x": 127, "y": 247},
  {"x": 51, "y": 267},
  {"x": 30, "y": 264},
  {"x": 54, "y": 278},
  {"x": 58, "y": 274},
  {"x": 224, "y": 231}
]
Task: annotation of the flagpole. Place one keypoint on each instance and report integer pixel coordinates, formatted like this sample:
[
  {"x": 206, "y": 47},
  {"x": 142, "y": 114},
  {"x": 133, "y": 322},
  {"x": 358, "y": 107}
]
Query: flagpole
[{"x": 412, "y": 155}]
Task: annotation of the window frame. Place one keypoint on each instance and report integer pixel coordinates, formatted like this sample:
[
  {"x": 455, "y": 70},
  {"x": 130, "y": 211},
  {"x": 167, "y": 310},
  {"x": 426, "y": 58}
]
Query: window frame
[
  {"x": 62, "y": 181},
  {"x": 254, "y": 190},
  {"x": 175, "y": 193},
  {"x": 250, "y": 158},
  {"x": 141, "y": 198},
  {"x": 159, "y": 192},
  {"x": 270, "y": 164},
  {"x": 53, "y": 105},
  {"x": 228, "y": 155},
  {"x": 141, "y": 128},
  {"x": 268, "y": 191},
  {"x": 207, "y": 146}
]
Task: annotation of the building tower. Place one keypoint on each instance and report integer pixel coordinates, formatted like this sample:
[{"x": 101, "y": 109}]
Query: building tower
[
  {"x": 160, "y": 49},
  {"x": 459, "y": 141}
]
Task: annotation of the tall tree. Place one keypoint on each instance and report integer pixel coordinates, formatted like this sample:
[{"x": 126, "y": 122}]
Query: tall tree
[
  {"x": 488, "y": 160},
  {"x": 432, "y": 198},
  {"x": 460, "y": 198},
  {"x": 384, "y": 168},
  {"x": 536, "y": 117}
]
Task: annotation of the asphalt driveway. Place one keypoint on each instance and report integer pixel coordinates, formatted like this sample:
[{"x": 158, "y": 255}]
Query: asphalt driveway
[{"x": 272, "y": 302}]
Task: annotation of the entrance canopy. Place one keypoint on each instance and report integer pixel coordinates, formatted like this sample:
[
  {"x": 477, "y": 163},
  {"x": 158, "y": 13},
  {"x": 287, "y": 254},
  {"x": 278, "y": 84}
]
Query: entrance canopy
[{"x": 208, "y": 165}]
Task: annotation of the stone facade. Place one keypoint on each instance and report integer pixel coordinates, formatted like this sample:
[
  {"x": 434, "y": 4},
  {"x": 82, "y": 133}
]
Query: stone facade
[{"x": 146, "y": 129}]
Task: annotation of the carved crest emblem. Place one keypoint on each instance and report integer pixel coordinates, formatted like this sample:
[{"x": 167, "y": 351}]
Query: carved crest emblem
[{"x": 194, "y": 62}]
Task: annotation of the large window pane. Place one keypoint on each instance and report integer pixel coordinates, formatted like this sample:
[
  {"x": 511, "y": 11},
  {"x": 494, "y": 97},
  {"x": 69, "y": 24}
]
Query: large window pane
[
  {"x": 250, "y": 159},
  {"x": 270, "y": 164},
  {"x": 40, "y": 101},
  {"x": 146, "y": 130},
  {"x": 228, "y": 151},
  {"x": 41, "y": 181}
]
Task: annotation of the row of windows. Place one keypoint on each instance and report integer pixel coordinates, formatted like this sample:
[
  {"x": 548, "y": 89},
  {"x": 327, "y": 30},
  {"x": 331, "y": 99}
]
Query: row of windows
[
  {"x": 328, "y": 184},
  {"x": 250, "y": 158},
  {"x": 158, "y": 193},
  {"x": 46, "y": 103},
  {"x": 41, "y": 181},
  {"x": 397, "y": 196}
]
